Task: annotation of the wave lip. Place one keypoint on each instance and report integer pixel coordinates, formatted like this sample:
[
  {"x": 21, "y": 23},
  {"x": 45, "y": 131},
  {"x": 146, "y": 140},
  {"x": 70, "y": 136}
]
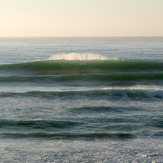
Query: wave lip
[{"x": 78, "y": 56}]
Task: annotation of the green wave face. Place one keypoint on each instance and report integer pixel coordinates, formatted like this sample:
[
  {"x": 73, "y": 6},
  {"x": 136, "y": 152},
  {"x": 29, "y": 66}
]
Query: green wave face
[
  {"x": 103, "y": 77},
  {"x": 94, "y": 70},
  {"x": 94, "y": 66}
]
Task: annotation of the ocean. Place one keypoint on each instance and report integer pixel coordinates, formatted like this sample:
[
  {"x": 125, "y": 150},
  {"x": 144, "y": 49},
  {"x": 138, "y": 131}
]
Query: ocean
[{"x": 91, "y": 100}]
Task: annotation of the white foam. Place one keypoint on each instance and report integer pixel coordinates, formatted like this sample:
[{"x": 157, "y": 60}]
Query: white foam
[
  {"x": 136, "y": 87},
  {"x": 78, "y": 56}
]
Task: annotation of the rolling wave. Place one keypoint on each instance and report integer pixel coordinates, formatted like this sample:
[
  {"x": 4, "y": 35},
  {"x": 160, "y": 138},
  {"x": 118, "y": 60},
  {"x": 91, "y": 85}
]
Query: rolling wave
[
  {"x": 92, "y": 94},
  {"x": 80, "y": 123},
  {"x": 86, "y": 136},
  {"x": 78, "y": 57},
  {"x": 38, "y": 124},
  {"x": 102, "y": 109},
  {"x": 92, "y": 66},
  {"x": 50, "y": 71},
  {"x": 96, "y": 77}
]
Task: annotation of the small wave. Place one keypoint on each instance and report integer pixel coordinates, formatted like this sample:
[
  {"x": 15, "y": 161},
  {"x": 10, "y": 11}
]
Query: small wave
[
  {"x": 38, "y": 124},
  {"x": 87, "y": 136},
  {"x": 92, "y": 94},
  {"x": 102, "y": 109},
  {"x": 78, "y": 56}
]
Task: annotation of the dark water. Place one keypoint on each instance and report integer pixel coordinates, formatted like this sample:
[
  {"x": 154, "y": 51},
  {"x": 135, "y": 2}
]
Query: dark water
[{"x": 81, "y": 111}]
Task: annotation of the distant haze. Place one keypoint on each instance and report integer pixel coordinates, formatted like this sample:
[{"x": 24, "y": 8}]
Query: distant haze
[{"x": 81, "y": 18}]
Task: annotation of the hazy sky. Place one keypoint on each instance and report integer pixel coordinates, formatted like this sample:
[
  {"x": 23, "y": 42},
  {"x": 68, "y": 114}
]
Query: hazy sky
[{"x": 81, "y": 18}]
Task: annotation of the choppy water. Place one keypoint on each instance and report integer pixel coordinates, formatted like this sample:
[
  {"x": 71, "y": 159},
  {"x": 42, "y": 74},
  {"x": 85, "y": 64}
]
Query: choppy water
[{"x": 104, "y": 110}]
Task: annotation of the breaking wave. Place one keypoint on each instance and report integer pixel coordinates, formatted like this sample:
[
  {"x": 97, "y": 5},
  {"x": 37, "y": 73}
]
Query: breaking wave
[
  {"x": 91, "y": 66},
  {"x": 78, "y": 56}
]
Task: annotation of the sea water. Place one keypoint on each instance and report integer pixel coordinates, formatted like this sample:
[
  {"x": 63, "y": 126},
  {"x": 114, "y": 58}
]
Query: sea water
[{"x": 81, "y": 100}]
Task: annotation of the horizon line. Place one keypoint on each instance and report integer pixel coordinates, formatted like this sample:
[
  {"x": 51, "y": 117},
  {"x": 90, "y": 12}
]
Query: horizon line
[{"x": 78, "y": 36}]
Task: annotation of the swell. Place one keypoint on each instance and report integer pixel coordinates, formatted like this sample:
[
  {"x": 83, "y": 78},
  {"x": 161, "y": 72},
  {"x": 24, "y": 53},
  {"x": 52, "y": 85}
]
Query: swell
[
  {"x": 93, "y": 70},
  {"x": 51, "y": 129},
  {"x": 92, "y": 94},
  {"x": 98, "y": 77},
  {"x": 38, "y": 124},
  {"x": 92, "y": 66},
  {"x": 88, "y": 128},
  {"x": 86, "y": 136},
  {"x": 102, "y": 109},
  {"x": 80, "y": 124}
]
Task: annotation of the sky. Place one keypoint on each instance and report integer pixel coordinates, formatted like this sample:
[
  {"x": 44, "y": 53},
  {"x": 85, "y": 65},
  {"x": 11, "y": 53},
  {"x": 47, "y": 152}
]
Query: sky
[{"x": 30, "y": 18}]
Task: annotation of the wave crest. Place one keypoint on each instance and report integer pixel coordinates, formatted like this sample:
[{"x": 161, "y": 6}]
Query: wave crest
[{"x": 78, "y": 56}]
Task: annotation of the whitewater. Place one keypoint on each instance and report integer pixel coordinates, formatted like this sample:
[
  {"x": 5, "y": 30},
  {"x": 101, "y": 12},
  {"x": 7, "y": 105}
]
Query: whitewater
[{"x": 81, "y": 99}]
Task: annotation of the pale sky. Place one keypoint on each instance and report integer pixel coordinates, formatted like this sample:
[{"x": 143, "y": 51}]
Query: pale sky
[{"x": 81, "y": 18}]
